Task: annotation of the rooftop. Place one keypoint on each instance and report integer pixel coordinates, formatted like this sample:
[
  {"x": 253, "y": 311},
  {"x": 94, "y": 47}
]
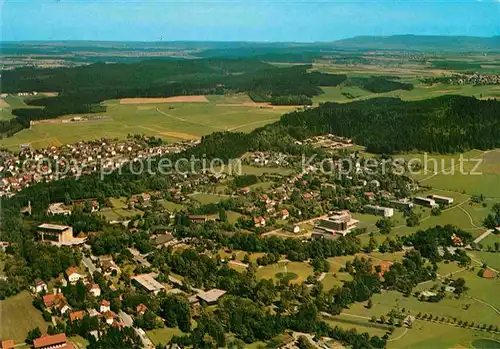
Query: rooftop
[
  {"x": 49, "y": 341},
  {"x": 53, "y": 226},
  {"x": 211, "y": 296},
  {"x": 147, "y": 281}
]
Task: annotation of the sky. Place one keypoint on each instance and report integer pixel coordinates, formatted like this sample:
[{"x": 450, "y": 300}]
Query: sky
[{"x": 243, "y": 20}]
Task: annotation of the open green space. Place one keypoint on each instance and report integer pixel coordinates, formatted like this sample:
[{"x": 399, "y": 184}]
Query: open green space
[
  {"x": 430, "y": 335},
  {"x": 491, "y": 259},
  {"x": 163, "y": 335},
  {"x": 205, "y": 199},
  {"x": 275, "y": 271},
  {"x": 18, "y": 316}
]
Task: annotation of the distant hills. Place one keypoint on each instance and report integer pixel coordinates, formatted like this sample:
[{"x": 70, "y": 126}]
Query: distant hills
[
  {"x": 422, "y": 43},
  {"x": 239, "y": 48}
]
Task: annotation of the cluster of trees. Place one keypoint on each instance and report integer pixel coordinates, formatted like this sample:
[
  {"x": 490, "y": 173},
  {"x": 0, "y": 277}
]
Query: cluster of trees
[
  {"x": 493, "y": 219},
  {"x": 378, "y": 84},
  {"x": 388, "y": 125},
  {"x": 27, "y": 262}
]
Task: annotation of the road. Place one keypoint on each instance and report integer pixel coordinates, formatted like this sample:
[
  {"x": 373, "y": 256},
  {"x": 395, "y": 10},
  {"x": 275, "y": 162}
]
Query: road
[
  {"x": 483, "y": 235},
  {"x": 129, "y": 322},
  {"x": 89, "y": 264}
]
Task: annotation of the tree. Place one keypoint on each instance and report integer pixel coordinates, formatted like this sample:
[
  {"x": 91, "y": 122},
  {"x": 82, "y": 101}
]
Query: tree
[
  {"x": 32, "y": 335},
  {"x": 370, "y": 304}
]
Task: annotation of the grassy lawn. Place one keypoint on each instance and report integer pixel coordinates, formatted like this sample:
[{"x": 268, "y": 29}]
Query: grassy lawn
[
  {"x": 302, "y": 270},
  {"x": 232, "y": 216},
  {"x": 18, "y": 317},
  {"x": 429, "y": 335},
  {"x": 330, "y": 281},
  {"x": 205, "y": 199},
  {"x": 79, "y": 342},
  {"x": 163, "y": 335},
  {"x": 491, "y": 259},
  {"x": 464, "y": 308},
  {"x": 171, "y": 206},
  {"x": 360, "y": 325}
]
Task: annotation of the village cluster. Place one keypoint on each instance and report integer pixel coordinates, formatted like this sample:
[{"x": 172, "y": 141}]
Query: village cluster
[{"x": 18, "y": 171}]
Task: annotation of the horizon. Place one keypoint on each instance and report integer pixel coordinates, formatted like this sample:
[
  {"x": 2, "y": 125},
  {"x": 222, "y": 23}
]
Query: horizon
[
  {"x": 243, "y": 21},
  {"x": 252, "y": 42}
]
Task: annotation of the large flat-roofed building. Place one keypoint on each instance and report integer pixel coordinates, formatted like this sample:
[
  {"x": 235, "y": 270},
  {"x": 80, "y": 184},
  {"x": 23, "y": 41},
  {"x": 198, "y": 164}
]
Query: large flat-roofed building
[
  {"x": 402, "y": 204},
  {"x": 378, "y": 210},
  {"x": 147, "y": 283},
  {"x": 419, "y": 200},
  {"x": 338, "y": 223},
  {"x": 442, "y": 200},
  {"x": 55, "y": 233},
  {"x": 211, "y": 297}
]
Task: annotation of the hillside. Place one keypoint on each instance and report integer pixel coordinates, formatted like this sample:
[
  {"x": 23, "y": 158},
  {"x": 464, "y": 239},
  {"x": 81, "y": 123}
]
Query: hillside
[{"x": 422, "y": 43}]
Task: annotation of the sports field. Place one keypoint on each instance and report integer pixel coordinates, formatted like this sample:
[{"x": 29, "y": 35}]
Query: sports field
[
  {"x": 170, "y": 121},
  {"x": 18, "y": 316}
]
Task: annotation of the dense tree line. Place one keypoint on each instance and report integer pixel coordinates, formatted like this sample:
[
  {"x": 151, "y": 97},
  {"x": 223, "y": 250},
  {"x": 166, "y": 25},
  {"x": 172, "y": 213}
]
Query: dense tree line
[
  {"x": 378, "y": 84},
  {"x": 444, "y": 124}
]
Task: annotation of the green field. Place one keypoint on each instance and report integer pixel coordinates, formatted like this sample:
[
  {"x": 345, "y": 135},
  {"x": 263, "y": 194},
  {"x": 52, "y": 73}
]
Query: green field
[
  {"x": 301, "y": 269},
  {"x": 206, "y": 199},
  {"x": 163, "y": 335},
  {"x": 18, "y": 316},
  {"x": 119, "y": 210},
  {"x": 170, "y": 121}
]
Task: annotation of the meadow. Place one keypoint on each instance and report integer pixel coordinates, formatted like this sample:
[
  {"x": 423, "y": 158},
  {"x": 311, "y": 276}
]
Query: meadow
[
  {"x": 170, "y": 121},
  {"x": 18, "y": 316}
]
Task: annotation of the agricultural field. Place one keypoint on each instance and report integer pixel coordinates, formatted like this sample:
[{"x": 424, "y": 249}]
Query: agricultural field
[
  {"x": 173, "y": 121},
  {"x": 18, "y": 316}
]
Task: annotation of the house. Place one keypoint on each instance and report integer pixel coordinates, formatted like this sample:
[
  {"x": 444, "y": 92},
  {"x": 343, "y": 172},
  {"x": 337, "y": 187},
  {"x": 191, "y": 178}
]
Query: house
[
  {"x": 76, "y": 315},
  {"x": 259, "y": 222},
  {"x": 457, "y": 241},
  {"x": 8, "y": 344},
  {"x": 441, "y": 200},
  {"x": 73, "y": 275},
  {"x": 49, "y": 300},
  {"x": 147, "y": 283},
  {"x": 141, "y": 309},
  {"x": 104, "y": 306},
  {"x": 55, "y": 233},
  {"x": 39, "y": 287},
  {"x": 211, "y": 297},
  {"x": 487, "y": 273},
  {"x": 378, "y": 210},
  {"x": 338, "y": 223},
  {"x": 95, "y": 290},
  {"x": 92, "y": 312},
  {"x": 58, "y": 341},
  {"x": 307, "y": 196},
  {"x": 61, "y": 280},
  {"x": 245, "y": 190},
  {"x": 383, "y": 266},
  {"x": 293, "y": 228},
  {"x": 163, "y": 240},
  {"x": 109, "y": 317},
  {"x": 266, "y": 199},
  {"x": 285, "y": 214},
  {"x": 200, "y": 218},
  {"x": 369, "y": 195},
  {"x": 425, "y": 202}
]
